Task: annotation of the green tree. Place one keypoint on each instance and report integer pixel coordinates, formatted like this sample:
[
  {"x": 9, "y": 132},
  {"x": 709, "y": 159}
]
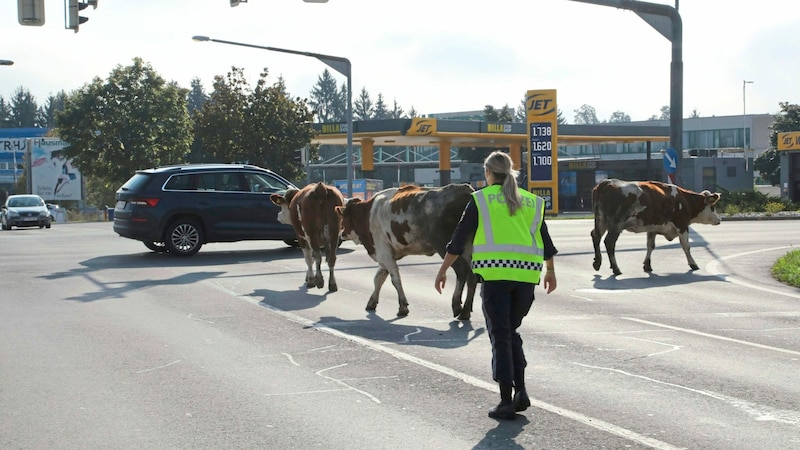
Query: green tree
[
  {"x": 261, "y": 126},
  {"x": 276, "y": 128},
  {"x": 397, "y": 111},
  {"x": 219, "y": 124},
  {"x": 196, "y": 97},
  {"x": 665, "y": 113},
  {"x": 619, "y": 117},
  {"x": 768, "y": 163},
  {"x": 340, "y": 105},
  {"x": 53, "y": 104},
  {"x": 325, "y": 97},
  {"x": 412, "y": 112},
  {"x": 695, "y": 114},
  {"x": 5, "y": 113},
  {"x": 380, "y": 111},
  {"x": 132, "y": 120},
  {"x": 362, "y": 106},
  {"x": 586, "y": 115},
  {"x": 24, "y": 110}
]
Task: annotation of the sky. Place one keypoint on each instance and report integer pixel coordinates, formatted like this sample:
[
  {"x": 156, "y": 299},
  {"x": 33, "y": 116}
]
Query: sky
[{"x": 433, "y": 55}]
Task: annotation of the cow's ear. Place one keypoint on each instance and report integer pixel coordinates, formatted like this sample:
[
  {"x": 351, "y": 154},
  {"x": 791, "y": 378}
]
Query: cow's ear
[
  {"x": 339, "y": 210},
  {"x": 712, "y": 199},
  {"x": 277, "y": 199}
]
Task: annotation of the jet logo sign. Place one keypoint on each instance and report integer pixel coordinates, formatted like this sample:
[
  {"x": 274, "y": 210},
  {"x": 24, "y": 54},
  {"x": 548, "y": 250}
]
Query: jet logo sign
[
  {"x": 789, "y": 141},
  {"x": 540, "y": 105}
]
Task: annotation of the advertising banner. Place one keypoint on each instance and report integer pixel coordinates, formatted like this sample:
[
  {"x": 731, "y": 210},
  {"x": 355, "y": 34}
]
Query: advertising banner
[{"x": 52, "y": 175}]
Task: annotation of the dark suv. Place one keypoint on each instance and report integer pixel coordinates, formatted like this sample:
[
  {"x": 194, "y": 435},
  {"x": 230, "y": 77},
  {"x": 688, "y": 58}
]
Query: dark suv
[{"x": 177, "y": 209}]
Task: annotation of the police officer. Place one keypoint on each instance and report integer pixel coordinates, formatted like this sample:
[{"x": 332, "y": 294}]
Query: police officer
[{"x": 511, "y": 249}]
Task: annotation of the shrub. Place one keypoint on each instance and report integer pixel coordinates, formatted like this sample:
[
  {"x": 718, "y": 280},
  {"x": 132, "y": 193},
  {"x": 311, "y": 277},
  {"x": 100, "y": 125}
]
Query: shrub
[
  {"x": 774, "y": 207},
  {"x": 786, "y": 270}
]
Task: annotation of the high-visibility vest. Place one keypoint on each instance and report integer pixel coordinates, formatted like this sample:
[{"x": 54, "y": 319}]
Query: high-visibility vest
[{"x": 508, "y": 247}]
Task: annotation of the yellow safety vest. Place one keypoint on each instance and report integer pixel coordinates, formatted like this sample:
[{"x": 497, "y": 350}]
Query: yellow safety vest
[{"x": 508, "y": 247}]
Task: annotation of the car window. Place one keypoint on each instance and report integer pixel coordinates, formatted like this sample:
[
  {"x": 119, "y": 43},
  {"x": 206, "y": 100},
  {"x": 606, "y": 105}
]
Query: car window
[
  {"x": 230, "y": 182},
  {"x": 136, "y": 182},
  {"x": 257, "y": 182},
  {"x": 182, "y": 182}
]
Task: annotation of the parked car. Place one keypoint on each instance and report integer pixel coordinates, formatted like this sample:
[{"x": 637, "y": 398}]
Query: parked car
[
  {"x": 52, "y": 207},
  {"x": 24, "y": 210},
  {"x": 179, "y": 208}
]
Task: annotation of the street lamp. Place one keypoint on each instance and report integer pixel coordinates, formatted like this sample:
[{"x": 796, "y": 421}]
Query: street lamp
[
  {"x": 337, "y": 63},
  {"x": 6, "y": 62},
  {"x": 744, "y": 120}
]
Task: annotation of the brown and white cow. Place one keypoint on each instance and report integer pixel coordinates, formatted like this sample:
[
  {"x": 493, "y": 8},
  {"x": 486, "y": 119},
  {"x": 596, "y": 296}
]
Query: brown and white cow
[
  {"x": 312, "y": 212},
  {"x": 648, "y": 206},
  {"x": 410, "y": 220}
]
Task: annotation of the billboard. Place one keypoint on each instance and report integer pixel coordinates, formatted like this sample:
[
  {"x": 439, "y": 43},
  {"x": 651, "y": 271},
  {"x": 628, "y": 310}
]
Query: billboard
[{"x": 52, "y": 175}]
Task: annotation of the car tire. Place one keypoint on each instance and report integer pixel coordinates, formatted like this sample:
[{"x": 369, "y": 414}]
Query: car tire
[
  {"x": 184, "y": 237},
  {"x": 158, "y": 247}
]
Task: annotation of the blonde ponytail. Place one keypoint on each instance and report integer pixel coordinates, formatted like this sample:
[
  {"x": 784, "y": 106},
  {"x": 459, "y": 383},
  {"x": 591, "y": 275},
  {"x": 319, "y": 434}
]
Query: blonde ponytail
[{"x": 501, "y": 166}]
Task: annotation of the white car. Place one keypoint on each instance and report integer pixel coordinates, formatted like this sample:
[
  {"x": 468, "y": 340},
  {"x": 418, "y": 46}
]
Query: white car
[{"x": 25, "y": 210}]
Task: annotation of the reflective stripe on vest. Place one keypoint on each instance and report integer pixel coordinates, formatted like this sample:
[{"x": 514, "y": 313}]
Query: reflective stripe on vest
[{"x": 494, "y": 257}]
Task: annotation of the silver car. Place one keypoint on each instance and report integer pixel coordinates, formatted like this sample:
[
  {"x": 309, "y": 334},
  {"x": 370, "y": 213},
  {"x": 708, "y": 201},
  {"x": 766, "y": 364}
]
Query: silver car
[{"x": 25, "y": 211}]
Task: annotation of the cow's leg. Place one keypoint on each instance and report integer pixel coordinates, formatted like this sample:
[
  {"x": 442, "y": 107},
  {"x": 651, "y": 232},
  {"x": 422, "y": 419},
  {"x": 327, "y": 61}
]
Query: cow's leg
[
  {"x": 380, "y": 278},
  {"x": 684, "y": 238},
  {"x": 651, "y": 245},
  {"x": 330, "y": 257},
  {"x": 597, "y": 233},
  {"x": 394, "y": 273},
  {"x": 318, "y": 280},
  {"x": 462, "y": 269},
  {"x": 611, "y": 243},
  {"x": 307, "y": 255}
]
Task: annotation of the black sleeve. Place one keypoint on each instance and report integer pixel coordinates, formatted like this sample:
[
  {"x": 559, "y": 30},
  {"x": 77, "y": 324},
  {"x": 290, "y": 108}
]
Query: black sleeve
[
  {"x": 464, "y": 230},
  {"x": 550, "y": 250}
]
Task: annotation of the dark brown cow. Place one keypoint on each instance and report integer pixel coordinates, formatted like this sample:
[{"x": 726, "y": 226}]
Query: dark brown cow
[
  {"x": 648, "y": 206},
  {"x": 311, "y": 211},
  {"x": 410, "y": 220}
]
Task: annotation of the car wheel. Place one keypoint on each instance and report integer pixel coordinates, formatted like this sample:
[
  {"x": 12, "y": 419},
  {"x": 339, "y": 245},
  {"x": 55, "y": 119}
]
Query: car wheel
[
  {"x": 158, "y": 247},
  {"x": 184, "y": 237}
]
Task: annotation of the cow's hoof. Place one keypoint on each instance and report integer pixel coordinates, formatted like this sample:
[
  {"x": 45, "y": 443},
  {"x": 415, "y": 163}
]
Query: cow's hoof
[
  {"x": 456, "y": 310},
  {"x": 465, "y": 315},
  {"x": 596, "y": 265},
  {"x": 402, "y": 312},
  {"x": 617, "y": 272},
  {"x": 648, "y": 269},
  {"x": 372, "y": 306},
  {"x": 694, "y": 266},
  {"x": 333, "y": 288}
]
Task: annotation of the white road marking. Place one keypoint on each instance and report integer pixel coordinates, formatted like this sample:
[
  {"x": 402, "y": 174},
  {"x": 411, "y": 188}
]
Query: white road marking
[
  {"x": 159, "y": 367},
  {"x": 760, "y": 412},
  {"x": 713, "y": 336},
  {"x": 713, "y": 268}
]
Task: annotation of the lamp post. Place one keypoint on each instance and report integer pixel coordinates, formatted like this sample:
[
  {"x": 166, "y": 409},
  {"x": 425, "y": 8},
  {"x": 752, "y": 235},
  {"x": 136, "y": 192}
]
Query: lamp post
[
  {"x": 744, "y": 120},
  {"x": 6, "y": 62},
  {"x": 337, "y": 63}
]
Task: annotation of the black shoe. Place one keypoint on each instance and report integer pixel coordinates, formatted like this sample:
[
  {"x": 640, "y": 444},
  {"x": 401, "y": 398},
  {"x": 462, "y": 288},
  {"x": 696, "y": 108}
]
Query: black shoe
[
  {"x": 521, "y": 401},
  {"x": 504, "y": 411}
]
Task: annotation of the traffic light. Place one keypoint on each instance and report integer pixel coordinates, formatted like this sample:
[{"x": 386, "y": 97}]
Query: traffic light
[
  {"x": 74, "y": 7},
  {"x": 30, "y": 12}
]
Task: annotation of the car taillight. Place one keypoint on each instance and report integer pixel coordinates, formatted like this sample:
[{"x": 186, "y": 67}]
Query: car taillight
[{"x": 151, "y": 202}]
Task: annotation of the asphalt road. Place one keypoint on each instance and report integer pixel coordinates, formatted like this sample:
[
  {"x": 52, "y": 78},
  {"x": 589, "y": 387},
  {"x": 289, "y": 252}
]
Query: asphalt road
[{"x": 104, "y": 344}]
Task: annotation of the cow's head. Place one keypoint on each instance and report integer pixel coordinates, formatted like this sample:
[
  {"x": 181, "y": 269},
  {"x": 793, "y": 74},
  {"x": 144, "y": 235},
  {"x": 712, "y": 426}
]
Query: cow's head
[
  {"x": 708, "y": 215},
  {"x": 355, "y": 221},
  {"x": 283, "y": 200}
]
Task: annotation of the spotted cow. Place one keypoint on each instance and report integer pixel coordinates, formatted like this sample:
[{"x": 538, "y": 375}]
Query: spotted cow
[
  {"x": 648, "y": 206},
  {"x": 311, "y": 211},
  {"x": 410, "y": 220}
]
